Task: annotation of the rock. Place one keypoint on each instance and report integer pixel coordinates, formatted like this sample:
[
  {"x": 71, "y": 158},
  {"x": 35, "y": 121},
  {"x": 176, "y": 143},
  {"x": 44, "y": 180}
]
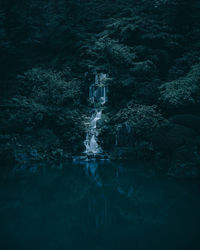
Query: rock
[{"x": 124, "y": 135}]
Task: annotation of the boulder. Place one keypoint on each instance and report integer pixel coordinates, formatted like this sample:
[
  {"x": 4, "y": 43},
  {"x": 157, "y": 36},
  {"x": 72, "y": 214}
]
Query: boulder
[{"x": 124, "y": 135}]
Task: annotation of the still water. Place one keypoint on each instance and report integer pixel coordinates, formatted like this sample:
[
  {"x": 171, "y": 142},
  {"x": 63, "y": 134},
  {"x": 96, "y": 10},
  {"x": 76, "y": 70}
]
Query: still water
[{"x": 97, "y": 206}]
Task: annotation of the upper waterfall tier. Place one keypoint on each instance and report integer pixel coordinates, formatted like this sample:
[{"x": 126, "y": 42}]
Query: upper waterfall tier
[{"x": 98, "y": 90}]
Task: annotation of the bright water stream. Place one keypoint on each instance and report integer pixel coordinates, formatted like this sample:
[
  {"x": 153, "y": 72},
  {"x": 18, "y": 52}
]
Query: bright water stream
[
  {"x": 97, "y": 206},
  {"x": 98, "y": 97}
]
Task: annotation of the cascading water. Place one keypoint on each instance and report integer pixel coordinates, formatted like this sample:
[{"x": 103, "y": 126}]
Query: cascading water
[{"x": 98, "y": 97}]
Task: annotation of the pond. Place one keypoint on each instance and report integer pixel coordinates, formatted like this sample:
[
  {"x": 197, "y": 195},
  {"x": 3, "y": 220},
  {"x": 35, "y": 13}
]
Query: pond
[{"x": 97, "y": 206}]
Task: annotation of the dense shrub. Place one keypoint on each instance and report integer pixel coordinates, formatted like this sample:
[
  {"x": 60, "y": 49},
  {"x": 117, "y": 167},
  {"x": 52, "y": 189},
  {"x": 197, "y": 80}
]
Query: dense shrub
[
  {"x": 141, "y": 118},
  {"x": 145, "y": 46},
  {"x": 46, "y": 99},
  {"x": 183, "y": 91},
  {"x": 113, "y": 51},
  {"x": 50, "y": 87}
]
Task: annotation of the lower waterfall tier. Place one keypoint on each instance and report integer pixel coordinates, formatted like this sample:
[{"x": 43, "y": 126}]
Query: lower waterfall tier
[{"x": 91, "y": 144}]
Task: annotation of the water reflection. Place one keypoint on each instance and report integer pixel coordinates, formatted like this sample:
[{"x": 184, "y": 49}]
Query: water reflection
[
  {"x": 91, "y": 170},
  {"x": 97, "y": 205}
]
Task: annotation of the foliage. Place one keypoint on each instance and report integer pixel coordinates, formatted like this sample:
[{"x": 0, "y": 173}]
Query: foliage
[
  {"x": 183, "y": 91},
  {"x": 44, "y": 100},
  {"x": 115, "y": 52},
  {"x": 22, "y": 114},
  {"x": 145, "y": 46},
  {"x": 50, "y": 87},
  {"x": 142, "y": 119}
]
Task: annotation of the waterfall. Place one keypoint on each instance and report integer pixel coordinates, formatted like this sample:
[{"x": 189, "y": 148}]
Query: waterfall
[{"x": 98, "y": 97}]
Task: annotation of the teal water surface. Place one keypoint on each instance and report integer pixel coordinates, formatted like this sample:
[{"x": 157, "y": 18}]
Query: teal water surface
[{"x": 97, "y": 206}]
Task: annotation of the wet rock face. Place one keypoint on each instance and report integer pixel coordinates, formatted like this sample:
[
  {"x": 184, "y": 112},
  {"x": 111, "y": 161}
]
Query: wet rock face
[
  {"x": 176, "y": 144},
  {"x": 117, "y": 139},
  {"x": 124, "y": 135}
]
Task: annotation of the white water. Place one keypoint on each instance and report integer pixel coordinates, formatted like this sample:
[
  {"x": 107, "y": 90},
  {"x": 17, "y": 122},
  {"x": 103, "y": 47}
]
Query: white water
[{"x": 98, "y": 97}]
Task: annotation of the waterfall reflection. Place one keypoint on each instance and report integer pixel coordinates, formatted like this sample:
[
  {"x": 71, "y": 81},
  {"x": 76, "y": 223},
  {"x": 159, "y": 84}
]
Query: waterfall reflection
[
  {"x": 91, "y": 168},
  {"x": 98, "y": 203}
]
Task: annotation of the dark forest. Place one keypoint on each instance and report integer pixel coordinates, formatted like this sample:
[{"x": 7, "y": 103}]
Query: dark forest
[{"x": 99, "y": 105}]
